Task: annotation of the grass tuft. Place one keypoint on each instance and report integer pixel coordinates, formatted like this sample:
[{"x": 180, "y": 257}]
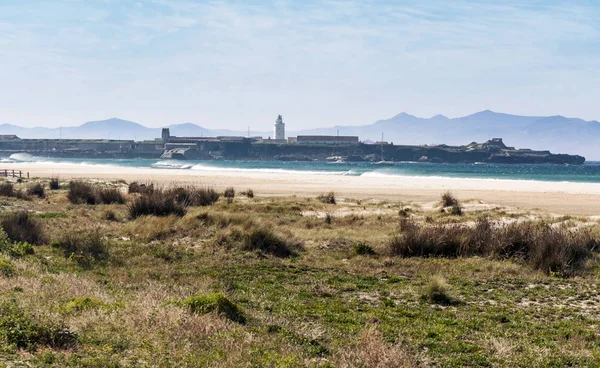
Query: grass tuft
[
  {"x": 266, "y": 241},
  {"x": 37, "y": 190},
  {"x": 363, "y": 249},
  {"x": 158, "y": 203},
  {"x": 111, "y": 196},
  {"x": 84, "y": 249},
  {"x": 448, "y": 200},
  {"x": 54, "y": 183},
  {"x": 218, "y": 303},
  {"x": 327, "y": 198},
  {"x": 437, "y": 291},
  {"x": 22, "y": 227},
  {"x": 23, "y": 331},
  {"x": 82, "y": 193}
]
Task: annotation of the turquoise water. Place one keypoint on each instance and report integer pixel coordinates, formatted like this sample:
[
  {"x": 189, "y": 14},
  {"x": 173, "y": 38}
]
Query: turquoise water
[{"x": 587, "y": 173}]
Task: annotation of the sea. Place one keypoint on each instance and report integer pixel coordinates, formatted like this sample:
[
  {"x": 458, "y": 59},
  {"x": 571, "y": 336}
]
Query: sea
[{"x": 586, "y": 173}]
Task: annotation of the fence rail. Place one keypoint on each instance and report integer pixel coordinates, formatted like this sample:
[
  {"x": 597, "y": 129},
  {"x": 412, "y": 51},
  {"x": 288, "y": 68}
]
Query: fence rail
[{"x": 13, "y": 173}]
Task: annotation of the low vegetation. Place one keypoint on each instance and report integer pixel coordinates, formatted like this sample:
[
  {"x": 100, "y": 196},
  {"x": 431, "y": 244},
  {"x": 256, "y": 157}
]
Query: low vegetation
[
  {"x": 328, "y": 198},
  {"x": 543, "y": 247},
  {"x": 217, "y": 303},
  {"x": 271, "y": 282},
  {"x": 37, "y": 190},
  {"x": 54, "y": 183},
  {"x": 22, "y": 227}
]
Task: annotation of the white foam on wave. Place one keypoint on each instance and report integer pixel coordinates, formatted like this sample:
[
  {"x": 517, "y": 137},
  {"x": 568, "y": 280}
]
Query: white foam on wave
[
  {"x": 171, "y": 164},
  {"x": 207, "y": 168},
  {"x": 24, "y": 157}
]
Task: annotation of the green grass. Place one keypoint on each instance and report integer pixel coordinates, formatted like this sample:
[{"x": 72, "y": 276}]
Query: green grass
[{"x": 256, "y": 283}]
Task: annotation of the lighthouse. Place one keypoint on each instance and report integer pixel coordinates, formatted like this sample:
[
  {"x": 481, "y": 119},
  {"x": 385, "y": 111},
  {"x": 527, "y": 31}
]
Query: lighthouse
[{"x": 279, "y": 128}]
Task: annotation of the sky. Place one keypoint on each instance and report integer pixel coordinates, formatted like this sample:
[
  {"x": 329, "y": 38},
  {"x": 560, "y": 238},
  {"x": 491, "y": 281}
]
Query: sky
[{"x": 319, "y": 63}]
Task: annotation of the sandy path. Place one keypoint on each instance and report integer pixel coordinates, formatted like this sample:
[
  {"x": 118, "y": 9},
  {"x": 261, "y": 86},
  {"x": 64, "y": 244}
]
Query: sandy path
[{"x": 559, "y": 197}]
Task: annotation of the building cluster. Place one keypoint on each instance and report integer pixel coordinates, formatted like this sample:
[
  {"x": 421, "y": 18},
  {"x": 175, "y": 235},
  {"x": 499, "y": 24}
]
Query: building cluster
[{"x": 278, "y": 138}]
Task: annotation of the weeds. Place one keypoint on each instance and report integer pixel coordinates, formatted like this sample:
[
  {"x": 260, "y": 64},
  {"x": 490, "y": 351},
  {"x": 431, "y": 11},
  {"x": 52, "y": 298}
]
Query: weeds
[
  {"x": 248, "y": 193},
  {"x": 134, "y": 187},
  {"x": 6, "y": 267}
]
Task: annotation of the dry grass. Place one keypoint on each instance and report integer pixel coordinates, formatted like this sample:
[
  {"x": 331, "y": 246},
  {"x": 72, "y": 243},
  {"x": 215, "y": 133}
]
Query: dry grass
[
  {"x": 125, "y": 304},
  {"x": 22, "y": 227}
]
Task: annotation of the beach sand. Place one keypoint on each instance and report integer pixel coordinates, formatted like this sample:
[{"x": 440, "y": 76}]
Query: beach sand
[{"x": 555, "y": 197}]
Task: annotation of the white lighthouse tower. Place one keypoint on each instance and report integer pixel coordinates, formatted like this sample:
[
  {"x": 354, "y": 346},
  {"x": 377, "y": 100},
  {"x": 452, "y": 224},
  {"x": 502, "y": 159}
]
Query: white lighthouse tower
[{"x": 279, "y": 128}]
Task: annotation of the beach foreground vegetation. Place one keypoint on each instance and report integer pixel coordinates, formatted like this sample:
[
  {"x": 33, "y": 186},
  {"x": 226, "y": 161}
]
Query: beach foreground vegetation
[{"x": 202, "y": 280}]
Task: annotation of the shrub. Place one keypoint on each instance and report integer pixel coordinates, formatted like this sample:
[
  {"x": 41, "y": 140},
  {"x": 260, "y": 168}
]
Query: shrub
[
  {"x": 267, "y": 241},
  {"x": 550, "y": 250},
  {"x": 437, "y": 291},
  {"x": 110, "y": 196},
  {"x": 248, "y": 193},
  {"x": 229, "y": 193},
  {"x": 456, "y": 209},
  {"x": 204, "y": 196},
  {"x": 110, "y": 215},
  {"x": 6, "y": 267},
  {"x": 135, "y": 187},
  {"x": 7, "y": 189},
  {"x": 328, "y": 218},
  {"x": 218, "y": 303},
  {"x": 54, "y": 183},
  {"x": 20, "y": 249},
  {"x": 448, "y": 200},
  {"x": 37, "y": 190},
  {"x": 327, "y": 198},
  {"x": 20, "y": 194},
  {"x": 363, "y": 249},
  {"x": 85, "y": 249},
  {"x": 82, "y": 193},
  {"x": 157, "y": 203},
  {"x": 21, "y": 227},
  {"x": 82, "y": 304},
  {"x": 24, "y": 332}
]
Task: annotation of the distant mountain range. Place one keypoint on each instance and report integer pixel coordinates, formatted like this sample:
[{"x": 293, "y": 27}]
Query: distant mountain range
[{"x": 555, "y": 133}]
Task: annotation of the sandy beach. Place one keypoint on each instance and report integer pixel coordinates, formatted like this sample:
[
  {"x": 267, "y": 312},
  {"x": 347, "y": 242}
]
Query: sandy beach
[{"x": 556, "y": 197}]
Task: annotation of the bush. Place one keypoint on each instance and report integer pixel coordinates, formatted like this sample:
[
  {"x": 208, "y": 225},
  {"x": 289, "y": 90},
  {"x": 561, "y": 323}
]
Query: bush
[
  {"x": 110, "y": 196},
  {"x": 363, "y": 249},
  {"x": 134, "y": 187},
  {"x": 37, "y": 190},
  {"x": 437, "y": 291},
  {"x": 7, "y": 189},
  {"x": 550, "y": 250},
  {"x": 448, "y": 200},
  {"x": 267, "y": 241},
  {"x": 218, "y": 303},
  {"x": 248, "y": 193},
  {"x": 85, "y": 249},
  {"x": 6, "y": 267},
  {"x": 204, "y": 196},
  {"x": 157, "y": 203},
  {"x": 110, "y": 215},
  {"x": 456, "y": 209},
  {"x": 24, "y": 332},
  {"x": 82, "y": 304},
  {"x": 327, "y": 198},
  {"x": 229, "y": 193},
  {"x": 54, "y": 183},
  {"x": 20, "y": 194},
  {"x": 82, "y": 193},
  {"x": 21, "y": 227}
]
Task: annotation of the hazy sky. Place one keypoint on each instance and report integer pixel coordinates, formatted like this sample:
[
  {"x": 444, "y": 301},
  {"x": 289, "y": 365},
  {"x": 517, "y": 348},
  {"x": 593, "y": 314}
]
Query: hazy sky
[{"x": 318, "y": 63}]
